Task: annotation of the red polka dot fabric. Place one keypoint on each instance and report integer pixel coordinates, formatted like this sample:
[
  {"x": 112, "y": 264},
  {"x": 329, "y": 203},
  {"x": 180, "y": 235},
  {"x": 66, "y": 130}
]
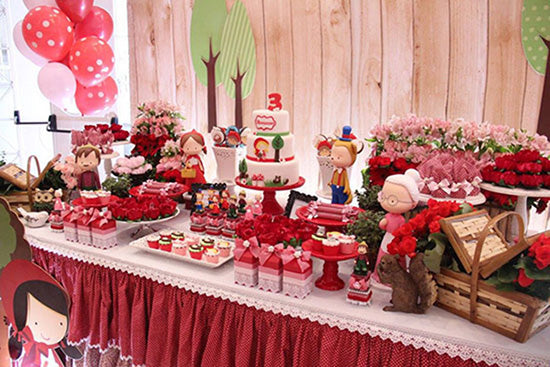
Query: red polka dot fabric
[{"x": 160, "y": 325}]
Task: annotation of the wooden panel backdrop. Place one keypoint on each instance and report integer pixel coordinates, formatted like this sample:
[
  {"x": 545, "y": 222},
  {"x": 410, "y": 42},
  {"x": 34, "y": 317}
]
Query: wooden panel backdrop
[{"x": 356, "y": 61}]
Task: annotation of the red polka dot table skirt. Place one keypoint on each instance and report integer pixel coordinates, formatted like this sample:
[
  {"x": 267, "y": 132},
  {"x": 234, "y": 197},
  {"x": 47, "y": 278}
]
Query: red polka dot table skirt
[{"x": 161, "y": 325}]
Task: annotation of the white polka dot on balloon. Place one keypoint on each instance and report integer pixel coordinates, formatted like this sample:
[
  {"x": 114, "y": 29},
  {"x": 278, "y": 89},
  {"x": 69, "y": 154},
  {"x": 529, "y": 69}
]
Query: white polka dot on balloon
[
  {"x": 97, "y": 76},
  {"x": 77, "y": 53},
  {"x": 101, "y": 94},
  {"x": 99, "y": 62},
  {"x": 34, "y": 44},
  {"x": 38, "y": 9},
  {"x": 39, "y": 34},
  {"x": 75, "y": 67},
  {"x": 90, "y": 95},
  {"x": 90, "y": 69},
  {"x": 69, "y": 29},
  {"x": 56, "y": 11},
  {"x": 46, "y": 24},
  {"x": 51, "y": 43},
  {"x": 29, "y": 26},
  {"x": 105, "y": 69}
]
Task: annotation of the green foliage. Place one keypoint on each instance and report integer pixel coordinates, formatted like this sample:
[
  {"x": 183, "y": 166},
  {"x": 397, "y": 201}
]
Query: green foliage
[
  {"x": 535, "y": 22},
  {"x": 293, "y": 243},
  {"x": 278, "y": 142},
  {"x": 207, "y": 21},
  {"x": 368, "y": 198},
  {"x": 531, "y": 270},
  {"x": 9, "y": 237},
  {"x": 118, "y": 186},
  {"x": 237, "y": 46},
  {"x": 42, "y": 207},
  {"x": 52, "y": 180},
  {"x": 366, "y": 228},
  {"x": 434, "y": 255}
]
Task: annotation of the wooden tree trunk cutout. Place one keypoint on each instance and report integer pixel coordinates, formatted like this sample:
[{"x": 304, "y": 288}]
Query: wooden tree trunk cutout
[
  {"x": 238, "y": 81},
  {"x": 544, "y": 114},
  {"x": 211, "y": 87}
]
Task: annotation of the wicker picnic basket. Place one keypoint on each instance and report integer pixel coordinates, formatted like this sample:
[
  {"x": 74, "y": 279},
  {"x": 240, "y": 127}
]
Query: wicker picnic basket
[{"x": 512, "y": 314}]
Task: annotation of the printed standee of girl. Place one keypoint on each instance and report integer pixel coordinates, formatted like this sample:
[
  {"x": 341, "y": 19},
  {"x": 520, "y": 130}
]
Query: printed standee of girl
[
  {"x": 343, "y": 154},
  {"x": 192, "y": 145},
  {"x": 399, "y": 195}
]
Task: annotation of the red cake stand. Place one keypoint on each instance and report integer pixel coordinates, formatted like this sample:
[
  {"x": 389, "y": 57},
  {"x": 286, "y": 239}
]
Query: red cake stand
[
  {"x": 330, "y": 225},
  {"x": 269, "y": 203},
  {"x": 329, "y": 281}
]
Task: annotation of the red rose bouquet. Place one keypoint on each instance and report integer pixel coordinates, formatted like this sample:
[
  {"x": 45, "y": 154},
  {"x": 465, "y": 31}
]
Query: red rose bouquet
[
  {"x": 380, "y": 167},
  {"x": 422, "y": 233},
  {"x": 526, "y": 168},
  {"x": 142, "y": 208},
  {"x": 273, "y": 230},
  {"x": 527, "y": 273}
]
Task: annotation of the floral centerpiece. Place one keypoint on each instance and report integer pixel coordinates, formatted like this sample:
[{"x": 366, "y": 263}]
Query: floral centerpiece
[
  {"x": 170, "y": 165},
  {"x": 274, "y": 230},
  {"x": 142, "y": 208},
  {"x": 94, "y": 136},
  {"x": 526, "y": 168},
  {"x": 156, "y": 123},
  {"x": 135, "y": 168},
  {"x": 118, "y": 132}
]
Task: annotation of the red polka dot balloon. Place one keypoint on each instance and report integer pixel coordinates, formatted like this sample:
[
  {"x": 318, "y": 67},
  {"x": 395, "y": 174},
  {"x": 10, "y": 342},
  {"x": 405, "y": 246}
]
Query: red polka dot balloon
[
  {"x": 48, "y": 32},
  {"x": 96, "y": 99},
  {"x": 91, "y": 60}
]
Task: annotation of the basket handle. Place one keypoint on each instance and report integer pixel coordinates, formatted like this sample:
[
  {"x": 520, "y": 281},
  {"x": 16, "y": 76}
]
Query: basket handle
[
  {"x": 29, "y": 186},
  {"x": 477, "y": 255}
]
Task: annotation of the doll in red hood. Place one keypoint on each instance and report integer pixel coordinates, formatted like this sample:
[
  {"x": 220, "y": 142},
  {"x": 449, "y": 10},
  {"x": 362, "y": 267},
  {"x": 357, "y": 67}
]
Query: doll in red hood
[{"x": 37, "y": 309}]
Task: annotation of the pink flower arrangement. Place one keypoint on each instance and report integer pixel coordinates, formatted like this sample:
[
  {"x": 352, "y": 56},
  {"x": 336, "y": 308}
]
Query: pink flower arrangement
[
  {"x": 69, "y": 171},
  {"x": 93, "y": 135},
  {"x": 413, "y": 138},
  {"x": 159, "y": 119},
  {"x": 131, "y": 166}
]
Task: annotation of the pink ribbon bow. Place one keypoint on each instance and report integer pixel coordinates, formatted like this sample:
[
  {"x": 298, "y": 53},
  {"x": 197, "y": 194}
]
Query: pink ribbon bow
[
  {"x": 94, "y": 214},
  {"x": 67, "y": 211},
  {"x": 77, "y": 212},
  {"x": 362, "y": 284},
  {"x": 267, "y": 250},
  {"x": 301, "y": 257},
  {"x": 105, "y": 217},
  {"x": 241, "y": 246}
]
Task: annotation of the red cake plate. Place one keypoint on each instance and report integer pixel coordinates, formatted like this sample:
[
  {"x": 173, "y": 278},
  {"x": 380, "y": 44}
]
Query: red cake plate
[
  {"x": 269, "y": 203},
  {"x": 329, "y": 281},
  {"x": 329, "y": 224},
  {"x": 134, "y": 191}
]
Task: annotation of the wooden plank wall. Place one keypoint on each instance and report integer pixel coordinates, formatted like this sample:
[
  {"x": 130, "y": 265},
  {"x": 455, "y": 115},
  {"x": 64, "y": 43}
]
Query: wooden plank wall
[{"x": 350, "y": 61}]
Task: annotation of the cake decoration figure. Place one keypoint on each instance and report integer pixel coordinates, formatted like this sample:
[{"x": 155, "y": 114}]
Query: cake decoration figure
[
  {"x": 359, "y": 291},
  {"x": 192, "y": 144},
  {"x": 261, "y": 146},
  {"x": 87, "y": 158},
  {"x": 399, "y": 195},
  {"x": 343, "y": 155}
]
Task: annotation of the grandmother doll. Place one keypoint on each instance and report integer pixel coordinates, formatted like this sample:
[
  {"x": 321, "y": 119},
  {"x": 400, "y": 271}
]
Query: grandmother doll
[
  {"x": 399, "y": 195},
  {"x": 343, "y": 155}
]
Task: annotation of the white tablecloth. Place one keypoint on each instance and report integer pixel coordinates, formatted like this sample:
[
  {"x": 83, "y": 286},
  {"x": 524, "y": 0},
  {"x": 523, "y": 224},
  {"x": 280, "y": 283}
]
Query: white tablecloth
[{"x": 436, "y": 330}]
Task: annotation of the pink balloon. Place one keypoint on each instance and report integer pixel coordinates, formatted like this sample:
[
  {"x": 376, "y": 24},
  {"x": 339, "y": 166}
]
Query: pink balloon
[
  {"x": 57, "y": 84},
  {"x": 48, "y": 32},
  {"x": 96, "y": 99},
  {"x": 24, "y": 48},
  {"x": 97, "y": 23},
  {"x": 34, "y": 3},
  {"x": 91, "y": 60},
  {"x": 76, "y": 9}
]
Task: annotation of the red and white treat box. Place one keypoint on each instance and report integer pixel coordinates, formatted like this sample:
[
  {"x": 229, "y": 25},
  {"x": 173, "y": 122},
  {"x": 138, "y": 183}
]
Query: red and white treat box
[
  {"x": 83, "y": 227},
  {"x": 198, "y": 222},
  {"x": 70, "y": 218},
  {"x": 104, "y": 231},
  {"x": 246, "y": 261},
  {"x": 359, "y": 290},
  {"x": 229, "y": 226},
  {"x": 297, "y": 273},
  {"x": 214, "y": 224},
  {"x": 270, "y": 271}
]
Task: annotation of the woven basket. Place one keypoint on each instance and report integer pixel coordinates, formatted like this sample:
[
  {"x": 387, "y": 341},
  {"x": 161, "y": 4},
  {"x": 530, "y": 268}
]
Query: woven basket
[{"x": 512, "y": 314}]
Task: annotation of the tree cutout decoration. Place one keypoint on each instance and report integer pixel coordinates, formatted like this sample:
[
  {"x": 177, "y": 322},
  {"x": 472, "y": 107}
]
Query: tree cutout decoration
[
  {"x": 207, "y": 22},
  {"x": 535, "y": 37},
  {"x": 278, "y": 144},
  {"x": 13, "y": 244},
  {"x": 238, "y": 58},
  {"x": 243, "y": 168}
]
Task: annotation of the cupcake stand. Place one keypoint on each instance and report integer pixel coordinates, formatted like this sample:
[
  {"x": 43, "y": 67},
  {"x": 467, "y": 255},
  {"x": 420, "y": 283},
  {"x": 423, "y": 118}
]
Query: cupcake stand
[
  {"x": 329, "y": 280},
  {"x": 269, "y": 203}
]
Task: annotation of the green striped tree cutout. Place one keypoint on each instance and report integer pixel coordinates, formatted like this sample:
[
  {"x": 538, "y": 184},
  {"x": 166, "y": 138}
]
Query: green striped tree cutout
[
  {"x": 535, "y": 22},
  {"x": 238, "y": 57}
]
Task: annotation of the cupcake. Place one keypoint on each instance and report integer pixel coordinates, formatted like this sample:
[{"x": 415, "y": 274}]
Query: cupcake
[
  {"x": 153, "y": 241},
  {"x": 347, "y": 244},
  {"x": 331, "y": 246},
  {"x": 207, "y": 242},
  {"x": 165, "y": 244},
  {"x": 195, "y": 251},
  {"x": 191, "y": 240},
  {"x": 225, "y": 248},
  {"x": 177, "y": 236},
  {"x": 179, "y": 247},
  {"x": 212, "y": 255},
  {"x": 317, "y": 239},
  {"x": 334, "y": 234},
  {"x": 165, "y": 235}
]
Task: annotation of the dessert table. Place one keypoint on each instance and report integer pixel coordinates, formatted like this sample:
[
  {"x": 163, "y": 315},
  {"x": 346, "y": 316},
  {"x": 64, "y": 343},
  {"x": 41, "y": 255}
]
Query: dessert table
[{"x": 162, "y": 312}]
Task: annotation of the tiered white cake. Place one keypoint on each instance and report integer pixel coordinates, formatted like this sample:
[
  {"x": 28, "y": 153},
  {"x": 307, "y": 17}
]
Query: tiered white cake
[{"x": 270, "y": 150}]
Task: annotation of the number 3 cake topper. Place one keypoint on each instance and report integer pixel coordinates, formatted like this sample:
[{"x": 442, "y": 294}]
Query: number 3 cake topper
[{"x": 274, "y": 102}]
